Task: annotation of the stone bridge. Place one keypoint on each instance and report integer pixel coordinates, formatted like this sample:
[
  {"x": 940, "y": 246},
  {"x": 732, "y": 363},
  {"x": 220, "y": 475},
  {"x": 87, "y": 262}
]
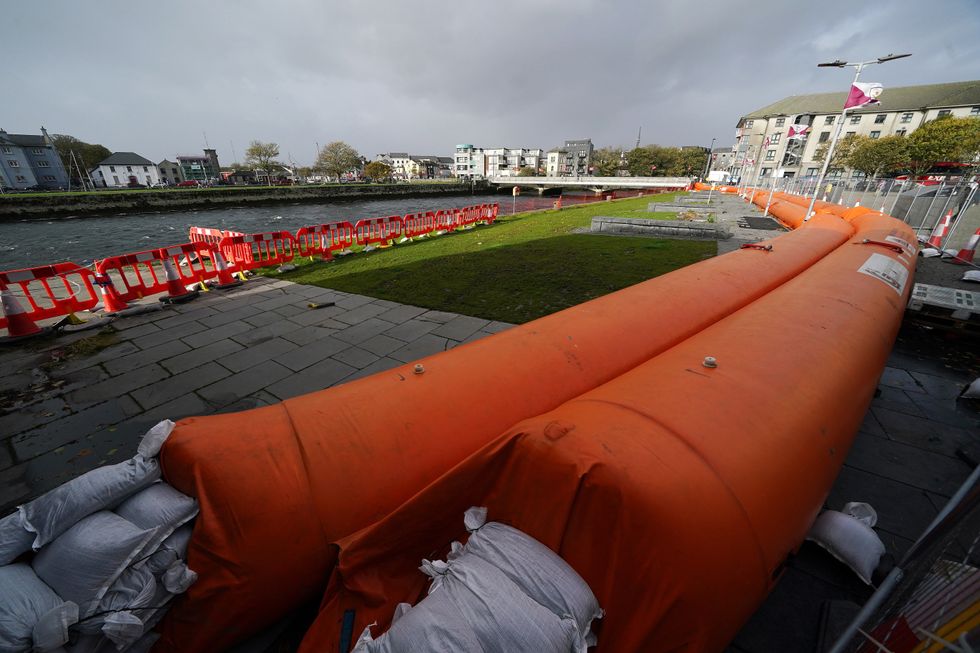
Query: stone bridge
[{"x": 595, "y": 184}]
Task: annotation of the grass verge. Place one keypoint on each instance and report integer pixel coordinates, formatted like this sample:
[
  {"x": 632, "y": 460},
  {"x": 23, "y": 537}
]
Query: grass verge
[{"x": 519, "y": 269}]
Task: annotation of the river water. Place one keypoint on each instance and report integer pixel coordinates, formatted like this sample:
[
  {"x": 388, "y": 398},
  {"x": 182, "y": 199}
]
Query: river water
[{"x": 34, "y": 242}]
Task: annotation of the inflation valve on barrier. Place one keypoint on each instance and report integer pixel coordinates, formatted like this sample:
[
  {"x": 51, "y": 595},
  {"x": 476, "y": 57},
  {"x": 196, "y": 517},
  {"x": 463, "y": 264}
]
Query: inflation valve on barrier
[
  {"x": 765, "y": 248},
  {"x": 893, "y": 246}
]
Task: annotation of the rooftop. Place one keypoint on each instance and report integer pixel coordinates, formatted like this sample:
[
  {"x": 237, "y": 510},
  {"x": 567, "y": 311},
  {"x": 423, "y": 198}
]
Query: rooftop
[
  {"x": 125, "y": 159},
  {"x": 956, "y": 94}
]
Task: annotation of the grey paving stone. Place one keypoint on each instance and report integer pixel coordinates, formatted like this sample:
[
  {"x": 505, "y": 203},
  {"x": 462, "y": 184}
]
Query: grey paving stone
[
  {"x": 924, "y": 433},
  {"x": 55, "y": 434},
  {"x": 259, "y": 353},
  {"x": 317, "y": 315},
  {"x": 304, "y": 291},
  {"x": 306, "y": 335},
  {"x": 316, "y": 377},
  {"x": 129, "y": 323},
  {"x": 145, "y": 357},
  {"x": 186, "y": 405},
  {"x": 254, "y": 400},
  {"x": 33, "y": 415},
  {"x": 906, "y": 464},
  {"x": 180, "y": 331},
  {"x": 497, "y": 327},
  {"x": 379, "y": 365},
  {"x": 169, "y": 389},
  {"x": 291, "y": 310},
  {"x": 360, "y": 332},
  {"x": 360, "y": 314},
  {"x": 350, "y": 302},
  {"x": 136, "y": 331},
  {"x": 897, "y": 378},
  {"x": 897, "y": 400},
  {"x": 81, "y": 362},
  {"x": 424, "y": 346},
  {"x": 870, "y": 425},
  {"x": 265, "y": 333},
  {"x": 200, "y": 356},
  {"x": 386, "y": 304},
  {"x": 438, "y": 316},
  {"x": 460, "y": 328},
  {"x": 6, "y": 454},
  {"x": 355, "y": 357},
  {"x": 399, "y": 314},
  {"x": 217, "y": 333},
  {"x": 117, "y": 386},
  {"x": 13, "y": 488},
  {"x": 312, "y": 353},
  {"x": 236, "y": 386},
  {"x": 275, "y": 302},
  {"x": 902, "y": 509},
  {"x": 382, "y": 345},
  {"x": 226, "y": 317},
  {"x": 197, "y": 314},
  {"x": 412, "y": 330},
  {"x": 263, "y": 319}
]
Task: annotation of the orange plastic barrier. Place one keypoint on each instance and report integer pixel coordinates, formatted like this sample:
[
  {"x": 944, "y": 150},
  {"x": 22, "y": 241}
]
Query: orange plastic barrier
[
  {"x": 380, "y": 231},
  {"x": 210, "y": 235},
  {"x": 331, "y": 463},
  {"x": 325, "y": 239},
  {"x": 252, "y": 251},
  {"x": 142, "y": 274},
  {"x": 419, "y": 224},
  {"x": 677, "y": 490},
  {"x": 50, "y": 290}
]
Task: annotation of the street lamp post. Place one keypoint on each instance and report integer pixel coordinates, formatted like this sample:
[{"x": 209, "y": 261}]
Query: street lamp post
[
  {"x": 707, "y": 165},
  {"x": 858, "y": 67}
]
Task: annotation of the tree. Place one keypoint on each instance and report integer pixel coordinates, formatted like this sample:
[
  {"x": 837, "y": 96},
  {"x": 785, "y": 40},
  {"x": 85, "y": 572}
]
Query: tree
[
  {"x": 606, "y": 162},
  {"x": 841, "y": 152},
  {"x": 377, "y": 171},
  {"x": 943, "y": 139},
  {"x": 337, "y": 158},
  {"x": 874, "y": 156},
  {"x": 87, "y": 155},
  {"x": 527, "y": 171},
  {"x": 687, "y": 162},
  {"x": 263, "y": 156}
]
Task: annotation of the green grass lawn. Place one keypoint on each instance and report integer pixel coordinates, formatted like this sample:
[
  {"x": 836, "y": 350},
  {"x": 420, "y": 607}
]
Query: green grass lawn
[{"x": 519, "y": 269}]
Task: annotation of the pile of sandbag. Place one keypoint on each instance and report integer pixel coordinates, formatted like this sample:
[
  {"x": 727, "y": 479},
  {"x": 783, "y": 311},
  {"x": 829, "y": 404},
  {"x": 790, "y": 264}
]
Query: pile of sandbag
[
  {"x": 503, "y": 591},
  {"x": 97, "y": 559}
]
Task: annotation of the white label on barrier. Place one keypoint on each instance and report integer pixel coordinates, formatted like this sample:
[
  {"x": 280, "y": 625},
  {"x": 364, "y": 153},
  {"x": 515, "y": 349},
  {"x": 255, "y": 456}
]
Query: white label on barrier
[
  {"x": 25, "y": 275},
  {"x": 174, "y": 251},
  {"x": 145, "y": 256},
  {"x": 902, "y": 243},
  {"x": 888, "y": 270}
]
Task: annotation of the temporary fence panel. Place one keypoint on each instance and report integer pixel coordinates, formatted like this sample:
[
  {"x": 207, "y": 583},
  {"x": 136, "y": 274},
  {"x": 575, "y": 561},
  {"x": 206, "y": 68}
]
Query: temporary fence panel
[
  {"x": 51, "y": 290},
  {"x": 419, "y": 224},
  {"x": 489, "y": 212},
  {"x": 252, "y": 251},
  {"x": 142, "y": 274},
  {"x": 378, "y": 230},
  {"x": 210, "y": 235},
  {"x": 324, "y": 238},
  {"x": 445, "y": 220}
]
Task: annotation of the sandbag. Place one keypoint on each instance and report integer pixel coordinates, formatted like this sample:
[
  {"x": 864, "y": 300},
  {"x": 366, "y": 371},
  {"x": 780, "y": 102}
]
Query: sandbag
[
  {"x": 536, "y": 569},
  {"x": 86, "y": 559},
  {"x": 56, "y": 511},
  {"x": 850, "y": 540},
  {"x": 435, "y": 625},
  {"x": 32, "y": 616},
  {"x": 15, "y": 539},
  {"x": 135, "y": 588},
  {"x": 178, "y": 578},
  {"x": 159, "y": 506},
  {"x": 171, "y": 549}
]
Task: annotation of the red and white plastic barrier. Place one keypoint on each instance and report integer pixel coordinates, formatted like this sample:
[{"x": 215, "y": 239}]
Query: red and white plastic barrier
[
  {"x": 325, "y": 239},
  {"x": 210, "y": 235},
  {"x": 940, "y": 231},
  {"x": 965, "y": 255},
  {"x": 380, "y": 231},
  {"x": 252, "y": 251},
  {"x": 50, "y": 291},
  {"x": 144, "y": 274},
  {"x": 419, "y": 224}
]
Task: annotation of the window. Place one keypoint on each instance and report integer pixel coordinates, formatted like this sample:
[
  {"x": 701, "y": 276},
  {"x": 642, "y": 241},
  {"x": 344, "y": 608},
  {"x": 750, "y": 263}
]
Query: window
[
  {"x": 145, "y": 169},
  {"x": 112, "y": 168},
  {"x": 21, "y": 178},
  {"x": 906, "y": 118},
  {"x": 748, "y": 123},
  {"x": 824, "y": 137},
  {"x": 880, "y": 118},
  {"x": 37, "y": 150},
  {"x": 851, "y": 134},
  {"x": 43, "y": 164},
  {"x": 875, "y": 134},
  {"x": 5, "y": 150},
  {"x": 774, "y": 139},
  {"x": 13, "y": 164},
  {"x": 48, "y": 177},
  {"x": 780, "y": 122},
  {"x": 811, "y": 172},
  {"x": 129, "y": 168},
  {"x": 770, "y": 155},
  {"x": 765, "y": 172},
  {"x": 944, "y": 112},
  {"x": 829, "y": 120},
  {"x": 975, "y": 111},
  {"x": 855, "y": 120},
  {"x": 901, "y": 132},
  {"x": 115, "y": 179}
]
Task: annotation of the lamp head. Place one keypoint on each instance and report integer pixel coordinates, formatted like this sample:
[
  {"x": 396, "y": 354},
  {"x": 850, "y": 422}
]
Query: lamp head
[
  {"x": 832, "y": 64},
  {"x": 892, "y": 57}
]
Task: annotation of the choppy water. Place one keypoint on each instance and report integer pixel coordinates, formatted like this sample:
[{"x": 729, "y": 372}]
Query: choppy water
[{"x": 83, "y": 239}]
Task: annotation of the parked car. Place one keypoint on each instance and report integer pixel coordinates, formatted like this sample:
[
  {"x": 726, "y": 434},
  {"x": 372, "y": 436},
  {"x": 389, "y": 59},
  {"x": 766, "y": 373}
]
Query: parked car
[{"x": 190, "y": 183}]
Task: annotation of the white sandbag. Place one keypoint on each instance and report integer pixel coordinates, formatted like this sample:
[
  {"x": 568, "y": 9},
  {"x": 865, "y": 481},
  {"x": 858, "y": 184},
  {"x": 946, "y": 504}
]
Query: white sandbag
[
  {"x": 537, "y": 570},
  {"x": 178, "y": 578},
  {"x": 15, "y": 539},
  {"x": 122, "y": 628},
  {"x": 849, "y": 540},
  {"x": 135, "y": 588},
  {"x": 56, "y": 511},
  {"x": 159, "y": 506},
  {"x": 972, "y": 391},
  {"x": 971, "y": 275},
  {"x": 32, "y": 616},
  {"x": 173, "y": 548},
  {"x": 152, "y": 442},
  {"x": 435, "y": 625},
  {"x": 86, "y": 559}
]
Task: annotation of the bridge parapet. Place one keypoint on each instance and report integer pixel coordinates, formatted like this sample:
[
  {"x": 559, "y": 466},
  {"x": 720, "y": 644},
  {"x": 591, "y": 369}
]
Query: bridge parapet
[{"x": 592, "y": 182}]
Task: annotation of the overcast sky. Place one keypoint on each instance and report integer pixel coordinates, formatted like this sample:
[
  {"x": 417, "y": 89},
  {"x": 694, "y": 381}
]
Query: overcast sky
[{"x": 423, "y": 75}]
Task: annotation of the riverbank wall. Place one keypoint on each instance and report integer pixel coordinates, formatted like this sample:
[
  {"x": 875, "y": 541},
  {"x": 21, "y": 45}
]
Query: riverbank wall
[{"x": 13, "y": 207}]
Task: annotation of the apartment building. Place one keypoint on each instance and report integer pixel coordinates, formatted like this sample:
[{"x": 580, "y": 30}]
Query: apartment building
[
  {"x": 29, "y": 161},
  {"x": 901, "y": 111}
]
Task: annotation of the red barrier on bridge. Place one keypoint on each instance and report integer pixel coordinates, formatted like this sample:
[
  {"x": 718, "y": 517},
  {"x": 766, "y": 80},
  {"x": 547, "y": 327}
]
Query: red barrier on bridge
[
  {"x": 50, "y": 290},
  {"x": 142, "y": 274},
  {"x": 379, "y": 230},
  {"x": 252, "y": 251},
  {"x": 325, "y": 239}
]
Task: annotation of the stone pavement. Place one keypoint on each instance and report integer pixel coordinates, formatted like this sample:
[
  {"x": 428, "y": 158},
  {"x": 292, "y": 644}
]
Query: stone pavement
[{"x": 66, "y": 408}]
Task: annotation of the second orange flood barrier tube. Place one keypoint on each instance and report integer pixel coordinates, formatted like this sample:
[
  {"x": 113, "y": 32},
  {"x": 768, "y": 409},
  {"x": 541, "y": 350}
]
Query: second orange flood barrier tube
[{"x": 284, "y": 489}]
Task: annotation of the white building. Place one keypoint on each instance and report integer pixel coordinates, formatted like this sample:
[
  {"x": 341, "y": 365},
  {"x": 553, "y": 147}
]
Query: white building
[
  {"x": 469, "y": 161},
  {"x": 125, "y": 169},
  {"x": 402, "y": 165},
  {"x": 901, "y": 111}
]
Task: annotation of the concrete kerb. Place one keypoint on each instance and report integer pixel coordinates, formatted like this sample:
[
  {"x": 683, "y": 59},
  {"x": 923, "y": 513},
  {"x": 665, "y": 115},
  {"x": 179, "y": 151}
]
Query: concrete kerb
[{"x": 660, "y": 228}]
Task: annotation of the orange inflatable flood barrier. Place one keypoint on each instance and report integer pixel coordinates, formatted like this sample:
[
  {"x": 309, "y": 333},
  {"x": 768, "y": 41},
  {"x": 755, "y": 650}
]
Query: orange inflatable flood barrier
[{"x": 286, "y": 489}]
